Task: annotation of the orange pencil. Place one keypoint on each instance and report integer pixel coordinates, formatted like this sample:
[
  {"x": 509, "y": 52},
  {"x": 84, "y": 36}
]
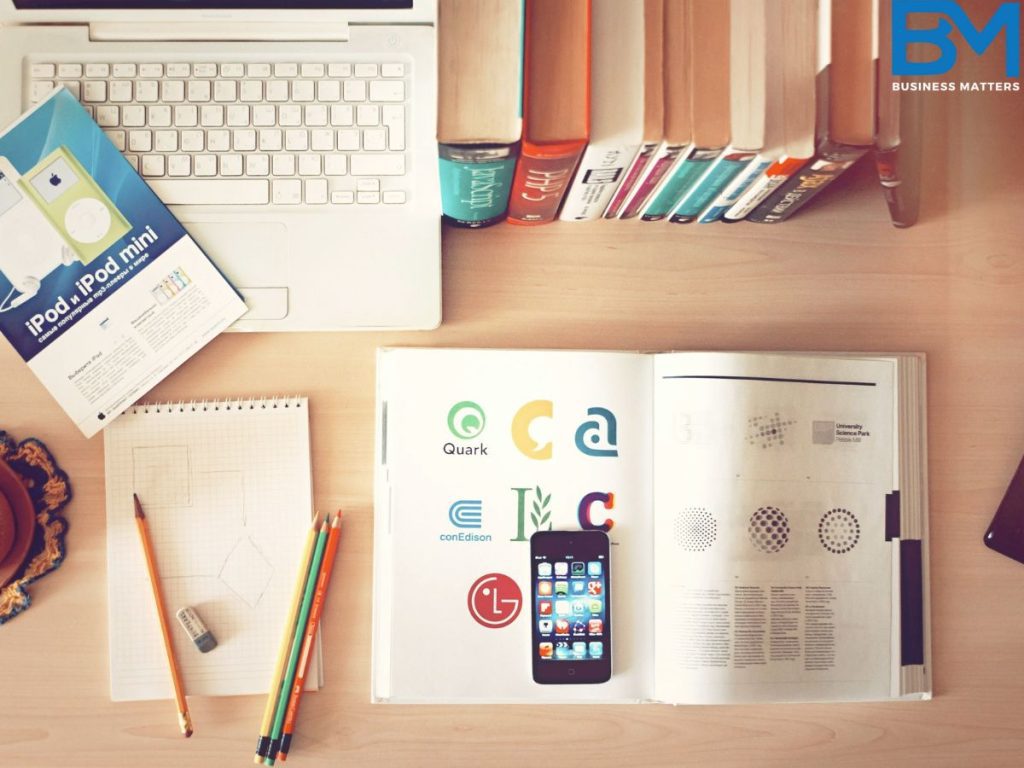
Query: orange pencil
[
  {"x": 184, "y": 718},
  {"x": 307, "y": 643}
]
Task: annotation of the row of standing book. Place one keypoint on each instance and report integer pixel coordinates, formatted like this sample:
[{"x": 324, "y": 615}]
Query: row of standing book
[{"x": 677, "y": 110}]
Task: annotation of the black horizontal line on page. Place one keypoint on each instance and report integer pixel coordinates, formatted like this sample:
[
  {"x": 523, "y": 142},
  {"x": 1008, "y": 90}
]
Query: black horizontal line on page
[{"x": 770, "y": 378}]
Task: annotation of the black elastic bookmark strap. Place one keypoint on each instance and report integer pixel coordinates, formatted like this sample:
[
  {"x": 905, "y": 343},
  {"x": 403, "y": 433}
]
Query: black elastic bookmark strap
[
  {"x": 911, "y": 603},
  {"x": 892, "y": 515}
]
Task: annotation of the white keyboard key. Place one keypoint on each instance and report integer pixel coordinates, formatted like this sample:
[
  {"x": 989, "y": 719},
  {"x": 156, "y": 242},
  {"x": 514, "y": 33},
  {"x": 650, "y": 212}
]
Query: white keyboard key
[
  {"x": 140, "y": 141},
  {"x": 125, "y": 70},
  {"x": 375, "y": 139},
  {"x": 309, "y": 165},
  {"x": 257, "y": 165},
  {"x": 238, "y": 115},
  {"x": 75, "y": 89},
  {"x": 44, "y": 71},
  {"x": 179, "y": 69},
  {"x": 335, "y": 165},
  {"x": 218, "y": 141},
  {"x": 212, "y": 191},
  {"x": 367, "y": 185},
  {"x": 271, "y": 140},
  {"x": 296, "y": 140},
  {"x": 258, "y": 70},
  {"x": 252, "y": 90},
  {"x": 186, "y": 116},
  {"x": 316, "y": 191},
  {"x": 303, "y": 90},
  {"x": 147, "y": 91},
  {"x": 145, "y": 70},
  {"x": 343, "y": 197},
  {"x": 393, "y": 118},
  {"x": 264, "y": 115},
  {"x": 70, "y": 71},
  {"x": 283, "y": 165},
  {"x": 244, "y": 140},
  {"x": 118, "y": 139},
  {"x": 348, "y": 140},
  {"x": 108, "y": 116},
  {"x": 377, "y": 165},
  {"x": 165, "y": 141},
  {"x": 133, "y": 116},
  {"x": 211, "y": 116},
  {"x": 153, "y": 165},
  {"x": 394, "y": 197},
  {"x": 204, "y": 70},
  {"x": 387, "y": 90},
  {"x": 277, "y": 90},
  {"x": 287, "y": 191},
  {"x": 133, "y": 161},
  {"x": 286, "y": 70},
  {"x": 342, "y": 114},
  {"x": 322, "y": 140},
  {"x": 328, "y": 90},
  {"x": 367, "y": 114},
  {"x": 159, "y": 116},
  {"x": 232, "y": 70},
  {"x": 366, "y": 70},
  {"x": 198, "y": 90},
  {"x": 367, "y": 198},
  {"x": 172, "y": 91},
  {"x": 205, "y": 165},
  {"x": 120, "y": 91},
  {"x": 97, "y": 70},
  {"x": 312, "y": 70},
  {"x": 231, "y": 165},
  {"x": 178, "y": 165},
  {"x": 355, "y": 90},
  {"x": 339, "y": 70},
  {"x": 316, "y": 115},
  {"x": 90, "y": 112},
  {"x": 93, "y": 91},
  {"x": 392, "y": 70},
  {"x": 290, "y": 115},
  {"x": 225, "y": 90},
  {"x": 193, "y": 141}
]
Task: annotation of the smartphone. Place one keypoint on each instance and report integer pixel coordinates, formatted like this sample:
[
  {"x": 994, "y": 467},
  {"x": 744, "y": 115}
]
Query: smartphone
[
  {"x": 1006, "y": 533},
  {"x": 572, "y": 611}
]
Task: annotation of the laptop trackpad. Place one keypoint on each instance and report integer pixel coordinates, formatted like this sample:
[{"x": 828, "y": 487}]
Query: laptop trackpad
[{"x": 254, "y": 256}]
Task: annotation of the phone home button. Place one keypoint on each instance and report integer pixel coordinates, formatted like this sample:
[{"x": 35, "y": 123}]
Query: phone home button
[{"x": 570, "y": 671}]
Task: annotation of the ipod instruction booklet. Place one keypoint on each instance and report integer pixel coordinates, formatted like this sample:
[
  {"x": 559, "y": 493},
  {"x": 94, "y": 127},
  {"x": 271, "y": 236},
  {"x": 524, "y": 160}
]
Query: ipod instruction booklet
[
  {"x": 102, "y": 291},
  {"x": 767, "y": 518}
]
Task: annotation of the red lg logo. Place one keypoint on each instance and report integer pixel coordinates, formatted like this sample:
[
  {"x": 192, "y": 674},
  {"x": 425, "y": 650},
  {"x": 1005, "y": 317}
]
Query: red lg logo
[{"x": 494, "y": 600}]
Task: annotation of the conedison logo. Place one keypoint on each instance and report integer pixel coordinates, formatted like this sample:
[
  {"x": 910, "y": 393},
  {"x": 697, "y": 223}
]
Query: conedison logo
[{"x": 466, "y": 513}]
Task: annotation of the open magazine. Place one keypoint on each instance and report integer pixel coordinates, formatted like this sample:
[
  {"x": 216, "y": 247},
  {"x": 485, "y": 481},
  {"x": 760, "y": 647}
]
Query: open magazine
[
  {"x": 767, "y": 517},
  {"x": 102, "y": 291}
]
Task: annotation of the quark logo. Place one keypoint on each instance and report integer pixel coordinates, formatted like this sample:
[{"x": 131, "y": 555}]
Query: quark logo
[
  {"x": 1006, "y": 19},
  {"x": 466, "y": 513},
  {"x": 466, "y": 420}
]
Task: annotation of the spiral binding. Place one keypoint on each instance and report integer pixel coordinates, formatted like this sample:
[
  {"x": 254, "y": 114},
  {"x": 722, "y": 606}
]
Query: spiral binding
[{"x": 239, "y": 405}]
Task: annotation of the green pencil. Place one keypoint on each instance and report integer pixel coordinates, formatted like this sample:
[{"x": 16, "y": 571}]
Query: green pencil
[{"x": 293, "y": 657}]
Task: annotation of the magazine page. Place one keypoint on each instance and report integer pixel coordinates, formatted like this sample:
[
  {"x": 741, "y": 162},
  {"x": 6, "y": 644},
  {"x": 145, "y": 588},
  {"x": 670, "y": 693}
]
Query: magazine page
[
  {"x": 102, "y": 291},
  {"x": 480, "y": 449},
  {"x": 772, "y": 567}
]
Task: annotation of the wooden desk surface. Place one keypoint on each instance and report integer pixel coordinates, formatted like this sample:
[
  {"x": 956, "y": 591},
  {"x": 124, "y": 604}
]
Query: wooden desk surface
[{"x": 837, "y": 278}]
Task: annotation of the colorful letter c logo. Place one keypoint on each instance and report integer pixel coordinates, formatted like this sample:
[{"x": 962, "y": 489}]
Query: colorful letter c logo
[
  {"x": 525, "y": 416},
  {"x": 608, "y": 499}
]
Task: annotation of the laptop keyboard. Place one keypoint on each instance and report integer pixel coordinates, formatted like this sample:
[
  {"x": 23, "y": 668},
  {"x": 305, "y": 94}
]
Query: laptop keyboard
[{"x": 229, "y": 133}]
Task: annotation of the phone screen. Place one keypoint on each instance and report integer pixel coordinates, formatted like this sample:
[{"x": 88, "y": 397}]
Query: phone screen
[{"x": 571, "y": 607}]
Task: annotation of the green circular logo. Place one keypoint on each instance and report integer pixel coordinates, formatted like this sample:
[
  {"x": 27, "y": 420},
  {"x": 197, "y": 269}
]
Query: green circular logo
[{"x": 466, "y": 420}]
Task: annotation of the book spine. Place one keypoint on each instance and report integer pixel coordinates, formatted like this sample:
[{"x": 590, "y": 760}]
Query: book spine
[
  {"x": 717, "y": 177},
  {"x": 665, "y": 159},
  {"x": 633, "y": 174},
  {"x": 685, "y": 175},
  {"x": 540, "y": 183},
  {"x": 774, "y": 177},
  {"x": 601, "y": 171},
  {"x": 476, "y": 181},
  {"x": 732, "y": 193},
  {"x": 830, "y": 162}
]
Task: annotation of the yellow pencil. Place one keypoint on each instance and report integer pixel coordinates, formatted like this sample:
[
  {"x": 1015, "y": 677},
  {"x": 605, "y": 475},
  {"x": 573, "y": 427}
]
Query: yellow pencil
[
  {"x": 184, "y": 718},
  {"x": 263, "y": 745}
]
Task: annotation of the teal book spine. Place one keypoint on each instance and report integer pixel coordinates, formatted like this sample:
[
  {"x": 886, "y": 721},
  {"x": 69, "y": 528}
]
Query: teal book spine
[
  {"x": 717, "y": 177},
  {"x": 685, "y": 176},
  {"x": 476, "y": 181}
]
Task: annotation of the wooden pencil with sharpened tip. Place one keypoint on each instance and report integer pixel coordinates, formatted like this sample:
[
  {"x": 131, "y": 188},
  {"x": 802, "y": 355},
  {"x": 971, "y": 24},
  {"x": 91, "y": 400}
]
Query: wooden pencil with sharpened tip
[
  {"x": 184, "y": 718},
  {"x": 322, "y": 583},
  {"x": 263, "y": 745}
]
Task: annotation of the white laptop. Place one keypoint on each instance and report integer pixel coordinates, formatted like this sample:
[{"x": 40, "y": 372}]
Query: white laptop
[{"x": 295, "y": 140}]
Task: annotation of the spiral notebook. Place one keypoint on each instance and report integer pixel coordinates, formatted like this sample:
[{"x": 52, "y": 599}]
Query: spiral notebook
[{"x": 227, "y": 491}]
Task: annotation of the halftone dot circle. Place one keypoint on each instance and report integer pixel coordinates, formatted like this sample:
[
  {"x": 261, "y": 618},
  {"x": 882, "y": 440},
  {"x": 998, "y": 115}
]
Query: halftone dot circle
[
  {"x": 839, "y": 531},
  {"x": 768, "y": 529},
  {"x": 695, "y": 529}
]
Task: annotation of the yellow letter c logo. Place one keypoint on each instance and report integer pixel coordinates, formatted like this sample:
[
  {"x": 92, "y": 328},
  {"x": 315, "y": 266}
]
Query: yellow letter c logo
[{"x": 521, "y": 429}]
